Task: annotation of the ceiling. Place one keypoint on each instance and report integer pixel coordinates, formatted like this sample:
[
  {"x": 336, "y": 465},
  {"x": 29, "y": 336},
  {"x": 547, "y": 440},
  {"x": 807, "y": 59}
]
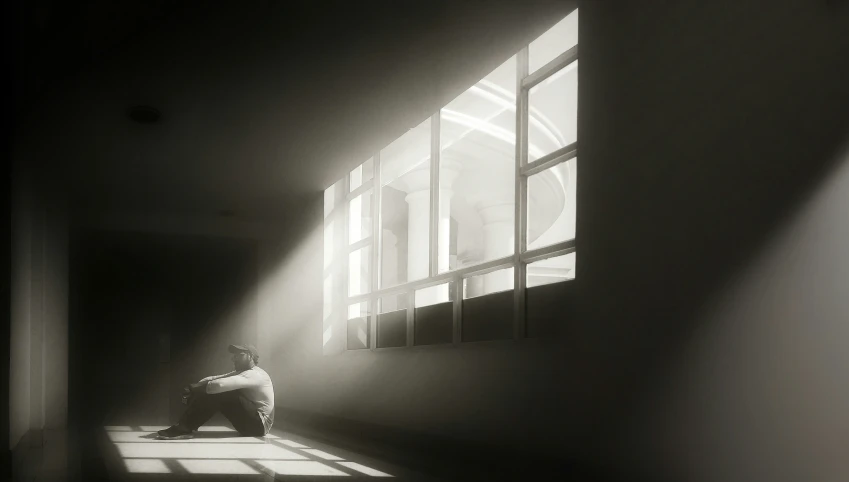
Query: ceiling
[{"x": 264, "y": 104}]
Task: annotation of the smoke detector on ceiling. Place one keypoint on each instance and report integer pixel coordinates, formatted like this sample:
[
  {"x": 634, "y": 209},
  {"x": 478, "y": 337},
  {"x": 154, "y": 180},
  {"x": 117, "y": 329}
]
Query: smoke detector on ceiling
[{"x": 143, "y": 114}]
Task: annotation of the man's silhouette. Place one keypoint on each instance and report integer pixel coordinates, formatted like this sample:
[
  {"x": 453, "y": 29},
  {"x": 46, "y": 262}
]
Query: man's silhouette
[{"x": 245, "y": 396}]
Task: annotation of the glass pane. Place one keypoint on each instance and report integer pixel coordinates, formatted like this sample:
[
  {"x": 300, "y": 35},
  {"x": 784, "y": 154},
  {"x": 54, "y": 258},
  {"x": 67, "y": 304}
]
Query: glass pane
[
  {"x": 551, "y": 205},
  {"x": 359, "y": 267},
  {"x": 484, "y": 284},
  {"x": 553, "y": 112},
  {"x": 390, "y": 303},
  {"x": 363, "y": 173},
  {"x": 558, "y": 39},
  {"x": 358, "y": 310},
  {"x": 435, "y": 294},
  {"x": 405, "y": 207},
  {"x": 359, "y": 217},
  {"x": 551, "y": 270},
  {"x": 477, "y": 171}
]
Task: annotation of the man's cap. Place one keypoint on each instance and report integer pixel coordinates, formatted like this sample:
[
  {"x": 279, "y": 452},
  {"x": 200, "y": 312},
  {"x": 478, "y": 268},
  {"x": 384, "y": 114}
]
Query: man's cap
[{"x": 244, "y": 348}]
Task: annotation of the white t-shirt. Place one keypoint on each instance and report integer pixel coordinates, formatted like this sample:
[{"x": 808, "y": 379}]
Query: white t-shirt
[{"x": 255, "y": 385}]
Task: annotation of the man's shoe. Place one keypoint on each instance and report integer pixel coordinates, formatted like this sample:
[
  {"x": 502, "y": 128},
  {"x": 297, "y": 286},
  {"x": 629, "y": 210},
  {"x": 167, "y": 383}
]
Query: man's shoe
[{"x": 175, "y": 433}]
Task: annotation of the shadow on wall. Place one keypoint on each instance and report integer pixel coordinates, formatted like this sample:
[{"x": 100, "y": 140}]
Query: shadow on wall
[
  {"x": 758, "y": 392},
  {"x": 699, "y": 152}
]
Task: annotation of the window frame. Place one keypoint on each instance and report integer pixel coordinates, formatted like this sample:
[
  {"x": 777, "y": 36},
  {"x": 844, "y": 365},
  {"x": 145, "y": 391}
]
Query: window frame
[{"x": 521, "y": 256}]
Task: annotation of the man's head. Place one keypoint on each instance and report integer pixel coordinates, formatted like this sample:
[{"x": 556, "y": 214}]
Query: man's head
[{"x": 244, "y": 356}]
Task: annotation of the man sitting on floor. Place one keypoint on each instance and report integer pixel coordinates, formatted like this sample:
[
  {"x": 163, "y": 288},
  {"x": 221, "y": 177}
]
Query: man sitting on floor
[{"x": 245, "y": 396}]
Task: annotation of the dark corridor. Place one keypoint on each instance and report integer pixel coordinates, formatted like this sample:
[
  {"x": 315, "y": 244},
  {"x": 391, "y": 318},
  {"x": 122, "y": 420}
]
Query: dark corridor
[{"x": 145, "y": 312}]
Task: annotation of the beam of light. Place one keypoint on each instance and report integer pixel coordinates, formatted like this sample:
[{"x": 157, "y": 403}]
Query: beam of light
[
  {"x": 205, "y": 451},
  {"x": 282, "y": 467},
  {"x": 363, "y": 469},
  {"x": 280, "y": 288},
  {"x": 328, "y": 334},
  {"x": 144, "y": 437},
  {"x": 234, "y": 467},
  {"x": 328, "y": 244},
  {"x": 357, "y": 177},
  {"x": 361, "y": 335},
  {"x": 117, "y": 428},
  {"x": 322, "y": 454},
  {"x": 329, "y": 200},
  {"x": 327, "y": 305},
  {"x": 294, "y": 444},
  {"x": 146, "y": 466}
]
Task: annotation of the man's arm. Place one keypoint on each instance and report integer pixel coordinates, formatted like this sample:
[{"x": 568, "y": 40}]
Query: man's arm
[
  {"x": 216, "y": 377},
  {"x": 197, "y": 387},
  {"x": 232, "y": 383}
]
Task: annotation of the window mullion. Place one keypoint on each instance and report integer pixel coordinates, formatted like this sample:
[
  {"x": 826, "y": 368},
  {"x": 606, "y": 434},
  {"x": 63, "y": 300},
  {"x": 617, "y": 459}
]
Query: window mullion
[
  {"x": 344, "y": 204},
  {"x": 551, "y": 251},
  {"x": 564, "y": 154},
  {"x": 433, "y": 238},
  {"x": 457, "y": 309},
  {"x": 549, "y": 69},
  {"x": 376, "y": 248},
  {"x": 520, "y": 191},
  {"x": 411, "y": 315}
]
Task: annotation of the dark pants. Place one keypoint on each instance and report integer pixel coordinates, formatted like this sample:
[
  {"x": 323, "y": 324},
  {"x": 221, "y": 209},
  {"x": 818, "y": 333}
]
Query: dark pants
[{"x": 240, "y": 411}]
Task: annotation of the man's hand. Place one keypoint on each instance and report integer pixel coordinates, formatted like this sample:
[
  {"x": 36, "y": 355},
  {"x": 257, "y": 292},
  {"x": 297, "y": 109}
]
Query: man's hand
[
  {"x": 199, "y": 387},
  {"x": 193, "y": 389}
]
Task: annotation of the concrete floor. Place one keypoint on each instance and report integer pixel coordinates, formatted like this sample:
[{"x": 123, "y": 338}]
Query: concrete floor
[{"x": 132, "y": 452}]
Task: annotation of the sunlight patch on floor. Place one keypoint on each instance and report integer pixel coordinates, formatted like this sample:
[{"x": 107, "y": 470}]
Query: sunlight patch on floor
[
  {"x": 146, "y": 466},
  {"x": 294, "y": 444},
  {"x": 222, "y": 450},
  {"x": 322, "y": 454},
  {"x": 285, "y": 467},
  {"x": 363, "y": 469},
  {"x": 217, "y": 428},
  {"x": 235, "y": 467},
  {"x": 206, "y": 451}
]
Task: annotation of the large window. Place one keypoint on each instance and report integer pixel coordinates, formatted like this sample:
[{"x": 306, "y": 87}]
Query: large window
[{"x": 439, "y": 235}]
